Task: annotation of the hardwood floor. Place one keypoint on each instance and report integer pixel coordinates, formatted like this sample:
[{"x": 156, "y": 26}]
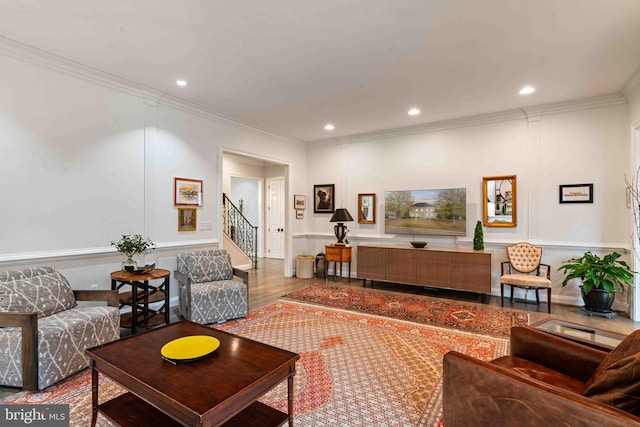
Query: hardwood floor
[{"x": 267, "y": 283}]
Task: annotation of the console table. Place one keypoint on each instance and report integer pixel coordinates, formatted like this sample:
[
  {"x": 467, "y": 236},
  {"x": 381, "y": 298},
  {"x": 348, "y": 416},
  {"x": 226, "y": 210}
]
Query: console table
[
  {"x": 457, "y": 269},
  {"x": 143, "y": 292}
]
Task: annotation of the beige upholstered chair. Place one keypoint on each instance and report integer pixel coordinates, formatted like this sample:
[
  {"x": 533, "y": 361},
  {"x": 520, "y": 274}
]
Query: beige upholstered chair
[{"x": 523, "y": 271}]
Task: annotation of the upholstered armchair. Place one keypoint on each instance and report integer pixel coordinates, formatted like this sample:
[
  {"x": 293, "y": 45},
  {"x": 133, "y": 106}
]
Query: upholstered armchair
[
  {"x": 206, "y": 289},
  {"x": 523, "y": 270},
  {"x": 44, "y": 331},
  {"x": 545, "y": 381}
]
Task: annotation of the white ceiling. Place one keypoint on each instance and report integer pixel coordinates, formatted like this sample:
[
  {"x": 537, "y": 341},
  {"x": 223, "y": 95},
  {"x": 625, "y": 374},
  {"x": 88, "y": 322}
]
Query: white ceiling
[{"x": 291, "y": 66}]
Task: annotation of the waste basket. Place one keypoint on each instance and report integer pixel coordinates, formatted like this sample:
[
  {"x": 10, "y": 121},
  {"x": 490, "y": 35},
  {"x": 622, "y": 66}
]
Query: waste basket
[{"x": 304, "y": 266}]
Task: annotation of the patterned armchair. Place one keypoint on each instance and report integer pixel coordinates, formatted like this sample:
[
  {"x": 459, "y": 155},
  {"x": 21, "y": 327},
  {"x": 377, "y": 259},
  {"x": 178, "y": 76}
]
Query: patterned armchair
[
  {"x": 206, "y": 289},
  {"x": 43, "y": 331}
]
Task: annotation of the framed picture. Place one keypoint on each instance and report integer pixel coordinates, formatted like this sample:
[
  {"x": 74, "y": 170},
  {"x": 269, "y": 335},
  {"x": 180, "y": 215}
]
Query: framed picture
[
  {"x": 187, "y": 192},
  {"x": 187, "y": 218},
  {"x": 367, "y": 208},
  {"x": 299, "y": 201},
  {"x": 323, "y": 196},
  {"x": 576, "y": 193},
  {"x": 299, "y": 214}
]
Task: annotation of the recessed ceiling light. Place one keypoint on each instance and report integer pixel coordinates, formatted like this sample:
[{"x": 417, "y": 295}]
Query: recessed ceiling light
[
  {"x": 329, "y": 126},
  {"x": 181, "y": 83},
  {"x": 527, "y": 90},
  {"x": 414, "y": 112}
]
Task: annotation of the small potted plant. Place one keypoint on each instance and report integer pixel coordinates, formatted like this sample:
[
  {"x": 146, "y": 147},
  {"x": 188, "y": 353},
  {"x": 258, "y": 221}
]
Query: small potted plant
[
  {"x": 600, "y": 277},
  {"x": 130, "y": 246}
]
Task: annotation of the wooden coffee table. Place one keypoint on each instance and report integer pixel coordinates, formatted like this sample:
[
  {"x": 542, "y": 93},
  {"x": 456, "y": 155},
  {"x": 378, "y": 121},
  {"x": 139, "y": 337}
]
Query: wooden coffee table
[{"x": 219, "y": 389}]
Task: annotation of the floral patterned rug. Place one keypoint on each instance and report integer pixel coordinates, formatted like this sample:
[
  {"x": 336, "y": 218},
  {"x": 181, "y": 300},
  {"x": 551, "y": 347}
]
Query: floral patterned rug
[{"x": 478, "y": 319}]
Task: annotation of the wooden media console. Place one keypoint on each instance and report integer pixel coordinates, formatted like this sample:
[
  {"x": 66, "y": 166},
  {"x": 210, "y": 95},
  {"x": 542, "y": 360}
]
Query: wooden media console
[{"x": 457, "y": 269}]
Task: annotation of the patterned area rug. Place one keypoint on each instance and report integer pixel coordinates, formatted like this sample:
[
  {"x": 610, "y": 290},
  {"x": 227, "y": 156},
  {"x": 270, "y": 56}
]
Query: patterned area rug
[
  {"x": 355, "y": 369},
  {"x": 422, "y": 309}
]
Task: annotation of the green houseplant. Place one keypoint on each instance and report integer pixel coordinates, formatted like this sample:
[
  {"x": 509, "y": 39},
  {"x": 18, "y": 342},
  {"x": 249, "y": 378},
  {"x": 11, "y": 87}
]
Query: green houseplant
[
  {"x": 130, "y": 246},
  {"x": 478, "y": 238},
  {"x": 600, "y": 277}
]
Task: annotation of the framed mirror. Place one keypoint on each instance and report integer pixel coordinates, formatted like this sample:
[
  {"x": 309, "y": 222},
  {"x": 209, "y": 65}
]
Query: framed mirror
[{"x": 499, "y": 201}]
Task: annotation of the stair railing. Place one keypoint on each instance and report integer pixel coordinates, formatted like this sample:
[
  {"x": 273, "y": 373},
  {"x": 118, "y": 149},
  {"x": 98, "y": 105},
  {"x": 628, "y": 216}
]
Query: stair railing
[{"x": 239, "y": 229}]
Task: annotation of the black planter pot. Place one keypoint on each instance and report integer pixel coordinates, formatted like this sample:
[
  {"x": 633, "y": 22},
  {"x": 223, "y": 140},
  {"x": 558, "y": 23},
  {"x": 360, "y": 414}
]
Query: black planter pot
[{"x": 598, "y": 300}]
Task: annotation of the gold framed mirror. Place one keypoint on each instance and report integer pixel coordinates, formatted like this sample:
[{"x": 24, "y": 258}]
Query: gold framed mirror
[{"x": 499, "y": 201}]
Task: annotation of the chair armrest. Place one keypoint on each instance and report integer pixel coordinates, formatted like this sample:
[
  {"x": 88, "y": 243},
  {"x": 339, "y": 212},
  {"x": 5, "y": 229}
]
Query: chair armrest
[
  {"x": 244, "y": 275},
  {"x": 567, "y": 357},
  {"x": 502, "y": 267},
  {"x": 28, "y": 323},
  {"x": 547, "y": 267},
  {"x": 111, "y": 297},
  {"x": 481, "y": 393}
]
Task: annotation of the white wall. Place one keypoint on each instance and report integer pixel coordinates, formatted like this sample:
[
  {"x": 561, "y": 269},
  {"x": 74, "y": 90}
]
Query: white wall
[
  {"x": 87, "y": 157},
  {"x": 582, "y": 143}
]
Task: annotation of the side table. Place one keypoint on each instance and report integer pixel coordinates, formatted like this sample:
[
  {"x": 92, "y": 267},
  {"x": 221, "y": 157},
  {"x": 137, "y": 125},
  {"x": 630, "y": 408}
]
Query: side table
[
  {"x": 141, "y": 295},
  {"x": 337, "y": 254},
  {"x": 593, "y": 337}
]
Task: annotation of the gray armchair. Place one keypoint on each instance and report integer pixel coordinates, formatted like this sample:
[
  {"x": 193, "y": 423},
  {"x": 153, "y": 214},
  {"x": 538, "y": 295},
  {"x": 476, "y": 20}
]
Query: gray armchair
[
  {"x": 44, "y": 332},
  {"x": 206, "y": 289}
]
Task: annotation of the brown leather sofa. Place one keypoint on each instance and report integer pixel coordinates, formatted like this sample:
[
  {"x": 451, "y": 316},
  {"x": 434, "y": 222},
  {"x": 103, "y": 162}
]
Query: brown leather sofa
[{"x": 541, "y": 383}]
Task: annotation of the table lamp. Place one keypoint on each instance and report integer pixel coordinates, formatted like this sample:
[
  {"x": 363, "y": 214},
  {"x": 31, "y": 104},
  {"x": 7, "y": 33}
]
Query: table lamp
[{"x": 340, "y": 216}]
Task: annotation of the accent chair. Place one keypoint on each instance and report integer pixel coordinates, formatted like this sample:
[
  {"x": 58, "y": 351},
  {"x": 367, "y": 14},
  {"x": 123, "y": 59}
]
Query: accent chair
[
  {"x": 523, "y": 270},
  {"x": 206, "y": 289}
]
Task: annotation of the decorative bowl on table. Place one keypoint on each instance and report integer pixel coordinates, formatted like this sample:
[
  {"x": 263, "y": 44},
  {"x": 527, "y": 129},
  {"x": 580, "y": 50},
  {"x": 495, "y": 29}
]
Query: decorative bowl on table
[{"x": 418, "y": 244}]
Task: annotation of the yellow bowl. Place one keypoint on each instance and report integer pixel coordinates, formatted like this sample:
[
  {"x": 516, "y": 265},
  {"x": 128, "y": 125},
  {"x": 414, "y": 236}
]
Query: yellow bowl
[{"x": 190, "y": 348}]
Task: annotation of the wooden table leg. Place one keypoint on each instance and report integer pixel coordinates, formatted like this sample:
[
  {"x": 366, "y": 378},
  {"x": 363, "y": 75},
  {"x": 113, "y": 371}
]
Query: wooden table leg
[
  {"x": 290, "y": 398},
  {"x": 94, "y": 394}
]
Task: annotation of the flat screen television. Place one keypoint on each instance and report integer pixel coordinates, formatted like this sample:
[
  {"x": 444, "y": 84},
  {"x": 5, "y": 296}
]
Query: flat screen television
[{"x": 433, "y": 212}]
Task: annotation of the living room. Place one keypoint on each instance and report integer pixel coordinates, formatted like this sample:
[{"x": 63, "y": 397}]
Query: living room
[{"x": 90, "y": 154}]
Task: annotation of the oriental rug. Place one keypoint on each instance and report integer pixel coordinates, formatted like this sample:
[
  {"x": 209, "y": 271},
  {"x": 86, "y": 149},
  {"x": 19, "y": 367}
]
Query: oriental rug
[
  {"x": 423, "y": 309},
  {"x": 355, "y": 369}
]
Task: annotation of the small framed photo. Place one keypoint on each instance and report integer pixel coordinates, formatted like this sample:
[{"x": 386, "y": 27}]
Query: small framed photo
[
  {"x": 323, "y": 196},
  {"x": 367, "y": 208},
  {"x": 299, "y": 214},
  {"x": 187, "y": 192},
  {"x": 187, "y": 219},
  {"x": 576, "y": 193},
  {"x": 299, "y": 201}
]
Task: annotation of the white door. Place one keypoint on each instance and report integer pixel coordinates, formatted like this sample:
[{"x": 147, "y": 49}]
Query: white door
[{"x": 275, "y": 218}]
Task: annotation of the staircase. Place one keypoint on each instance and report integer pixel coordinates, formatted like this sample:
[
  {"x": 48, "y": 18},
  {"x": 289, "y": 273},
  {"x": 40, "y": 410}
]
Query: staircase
[{"x": 237, "y": 228}]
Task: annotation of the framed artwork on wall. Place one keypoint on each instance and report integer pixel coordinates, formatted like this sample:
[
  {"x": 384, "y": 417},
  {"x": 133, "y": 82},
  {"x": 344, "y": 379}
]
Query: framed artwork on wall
[
  {"x": 323, "y": 196},
  {"x": 299, "y": 214},
  {"x": 367, "y": 208},
  {"x": 299, "y": 201},
  {"x": 187, "y": 218},
  {"x": 187, "y": 192},
  {"x": 576, "y": 193}
]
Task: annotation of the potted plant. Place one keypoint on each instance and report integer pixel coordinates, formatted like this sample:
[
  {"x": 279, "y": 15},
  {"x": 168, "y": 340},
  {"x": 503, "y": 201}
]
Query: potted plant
[
  {"x": 478, "y": 238},
  {"x": 600, "y": 277},
  {"x": 130, "y": 246}
]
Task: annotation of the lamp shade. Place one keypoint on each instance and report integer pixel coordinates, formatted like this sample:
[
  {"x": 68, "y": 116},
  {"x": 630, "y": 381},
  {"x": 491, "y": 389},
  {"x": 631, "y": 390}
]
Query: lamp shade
[{"x": 341, "y": 215}]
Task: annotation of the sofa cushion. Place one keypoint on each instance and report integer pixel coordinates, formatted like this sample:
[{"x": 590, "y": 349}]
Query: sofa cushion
[
  {"x": 27, "y": 273},
  {"x": 44, "y": 294},
  {"x": 616, "y": 381},
  {"x": 206, "y": 266},
  {"x": 540, "y": 373}
]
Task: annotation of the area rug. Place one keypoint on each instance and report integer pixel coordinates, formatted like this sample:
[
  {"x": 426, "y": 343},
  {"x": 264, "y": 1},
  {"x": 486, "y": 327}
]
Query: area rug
[
  {"x": 437, "y": 312},
  {"x": 354, "y": 370}
]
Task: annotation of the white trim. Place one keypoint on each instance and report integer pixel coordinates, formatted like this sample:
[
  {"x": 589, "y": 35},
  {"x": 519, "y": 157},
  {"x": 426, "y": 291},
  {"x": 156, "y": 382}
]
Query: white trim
[{"x": 85, "y": 252}]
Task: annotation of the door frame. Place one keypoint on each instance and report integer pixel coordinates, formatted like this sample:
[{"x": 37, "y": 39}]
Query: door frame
[{"x": 288, "y": 237}]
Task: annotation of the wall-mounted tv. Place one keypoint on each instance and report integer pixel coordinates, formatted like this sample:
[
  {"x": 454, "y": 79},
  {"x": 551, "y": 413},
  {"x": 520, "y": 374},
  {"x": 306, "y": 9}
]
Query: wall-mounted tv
[{"x": 436, "y": 212}]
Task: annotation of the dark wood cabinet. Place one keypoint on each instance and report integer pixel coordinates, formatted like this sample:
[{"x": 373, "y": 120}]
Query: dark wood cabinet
[{"x": 458, "y": 269}]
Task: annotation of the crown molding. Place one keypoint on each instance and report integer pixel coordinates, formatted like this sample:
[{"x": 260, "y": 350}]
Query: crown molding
[
  {"x": 531, "y": 113},
  {"x": 149, "y": 95},
  {"x": 632, "y": 88}
]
